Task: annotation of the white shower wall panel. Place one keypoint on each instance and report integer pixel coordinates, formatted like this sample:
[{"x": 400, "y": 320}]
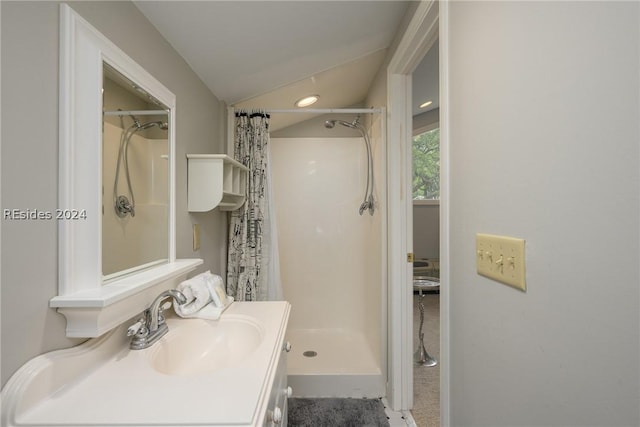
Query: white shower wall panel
[
  {"x": 327, "y": 264},
  {"x": 135, "y": 241},
  {"x": 331, "y": 264},
  {"x": 374, "y": 300}
]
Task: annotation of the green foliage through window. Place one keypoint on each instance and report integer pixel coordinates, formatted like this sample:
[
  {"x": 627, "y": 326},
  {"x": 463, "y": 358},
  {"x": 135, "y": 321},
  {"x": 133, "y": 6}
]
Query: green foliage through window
[{"x": 426, "y": 165}]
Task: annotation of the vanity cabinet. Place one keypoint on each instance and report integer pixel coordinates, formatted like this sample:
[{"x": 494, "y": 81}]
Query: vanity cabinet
[
  {"x": 215, "y": 180},
  {"x": 243, "y": 383},
  {"x": 277, "y": 408}
]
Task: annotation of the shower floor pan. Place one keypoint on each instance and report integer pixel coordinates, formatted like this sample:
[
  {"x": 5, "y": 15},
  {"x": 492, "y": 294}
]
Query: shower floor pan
[{"x": 332, "y": 363}]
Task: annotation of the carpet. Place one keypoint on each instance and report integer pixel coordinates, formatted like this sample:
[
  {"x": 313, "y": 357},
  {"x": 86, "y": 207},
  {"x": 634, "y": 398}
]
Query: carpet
[{"x": 335, "y": 412}]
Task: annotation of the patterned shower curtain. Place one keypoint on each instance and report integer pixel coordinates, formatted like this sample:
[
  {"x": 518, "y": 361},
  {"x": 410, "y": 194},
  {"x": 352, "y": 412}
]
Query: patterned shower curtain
[{"x": 252, "y": 262}]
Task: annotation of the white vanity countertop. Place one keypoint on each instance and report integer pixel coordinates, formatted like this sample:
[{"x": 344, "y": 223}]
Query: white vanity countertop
[{"x": 120, "y": 387}]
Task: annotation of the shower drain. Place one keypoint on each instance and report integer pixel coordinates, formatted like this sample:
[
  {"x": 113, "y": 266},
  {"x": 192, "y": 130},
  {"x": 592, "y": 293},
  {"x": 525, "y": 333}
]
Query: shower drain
[{"x": 309, "y": 353}]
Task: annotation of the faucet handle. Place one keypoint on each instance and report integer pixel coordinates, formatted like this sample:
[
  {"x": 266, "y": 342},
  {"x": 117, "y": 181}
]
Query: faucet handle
[{"x": 133, "y": 329}]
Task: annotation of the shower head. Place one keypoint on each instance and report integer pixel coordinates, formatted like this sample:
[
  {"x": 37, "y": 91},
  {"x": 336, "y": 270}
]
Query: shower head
[
  {"x": 330, "y": 124},
  {"x": 161, "y": 125}
]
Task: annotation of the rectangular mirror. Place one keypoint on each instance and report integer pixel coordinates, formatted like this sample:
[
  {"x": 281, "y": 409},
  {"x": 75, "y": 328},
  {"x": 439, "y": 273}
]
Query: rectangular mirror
[
  {"x": 135, "y": 180},
  {"x": 97, "y": 79}
]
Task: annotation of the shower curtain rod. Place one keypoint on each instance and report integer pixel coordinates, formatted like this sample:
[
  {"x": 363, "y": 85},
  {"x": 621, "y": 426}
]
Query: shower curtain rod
[
  {"x": 135, "y": 112},
  {"x": 324, "y": 110},
  {"x": 231, "y": 116}
]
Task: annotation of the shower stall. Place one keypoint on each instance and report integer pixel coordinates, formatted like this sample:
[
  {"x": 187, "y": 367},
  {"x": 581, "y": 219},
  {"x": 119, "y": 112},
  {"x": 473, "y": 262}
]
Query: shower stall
[{"x": 329, "y": 203}]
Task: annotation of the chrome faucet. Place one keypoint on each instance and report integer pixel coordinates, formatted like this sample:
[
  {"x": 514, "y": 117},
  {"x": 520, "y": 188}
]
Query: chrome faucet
[
  {"x": 152, "y": 326},
  {"x": 155, "y": 306}
]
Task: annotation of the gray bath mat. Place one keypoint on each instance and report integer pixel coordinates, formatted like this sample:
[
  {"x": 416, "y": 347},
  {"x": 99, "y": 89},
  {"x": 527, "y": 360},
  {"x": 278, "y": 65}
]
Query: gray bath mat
[{"x": 335, "y": 412}]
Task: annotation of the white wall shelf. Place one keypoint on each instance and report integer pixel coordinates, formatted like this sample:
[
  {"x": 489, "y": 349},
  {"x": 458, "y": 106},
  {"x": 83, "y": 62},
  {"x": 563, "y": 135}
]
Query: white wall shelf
[{"x": 215, "y": 180}]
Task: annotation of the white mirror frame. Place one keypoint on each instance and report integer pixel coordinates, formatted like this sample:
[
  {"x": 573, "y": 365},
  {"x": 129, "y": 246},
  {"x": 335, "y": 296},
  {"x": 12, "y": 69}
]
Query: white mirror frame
[{"x": 92, "y": 307}]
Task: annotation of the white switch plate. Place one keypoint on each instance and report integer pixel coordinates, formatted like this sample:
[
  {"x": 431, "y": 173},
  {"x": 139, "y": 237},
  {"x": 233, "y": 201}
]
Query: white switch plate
[{"x": 501, "y": 258}]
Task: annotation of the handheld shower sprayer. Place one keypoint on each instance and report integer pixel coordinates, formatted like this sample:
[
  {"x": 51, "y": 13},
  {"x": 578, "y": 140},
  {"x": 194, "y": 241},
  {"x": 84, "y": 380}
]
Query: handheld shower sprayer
[
  {"x": 160, "y": 124},
  {"x": 368, "y": 203},
  {"x": 121, "y": 203},
  {"x": 136, "y": 122},
  {"x": 330, "y": 124}
]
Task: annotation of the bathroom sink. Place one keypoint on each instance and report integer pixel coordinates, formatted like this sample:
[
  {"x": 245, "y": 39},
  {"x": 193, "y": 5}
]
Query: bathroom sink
[
  {"x": 227, "y": 372},
  {"x": 196, "y": 346}
]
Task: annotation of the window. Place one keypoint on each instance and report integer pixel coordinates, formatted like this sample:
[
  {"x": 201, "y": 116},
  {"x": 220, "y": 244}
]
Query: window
[{"x": 426, "y": 165}]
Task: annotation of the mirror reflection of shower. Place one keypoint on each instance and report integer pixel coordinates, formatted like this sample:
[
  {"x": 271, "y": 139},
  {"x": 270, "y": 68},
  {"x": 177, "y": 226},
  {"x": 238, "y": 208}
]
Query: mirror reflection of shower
[
  {"x": 368, "y": 202},
  {"x": 124, "y": 205},
  {"x": 136, "y": 144}
]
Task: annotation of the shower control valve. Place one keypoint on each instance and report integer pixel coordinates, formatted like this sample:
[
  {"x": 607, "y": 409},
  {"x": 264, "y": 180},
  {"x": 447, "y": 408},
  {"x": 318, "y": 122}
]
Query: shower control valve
[{"x": 123, "y": 207}]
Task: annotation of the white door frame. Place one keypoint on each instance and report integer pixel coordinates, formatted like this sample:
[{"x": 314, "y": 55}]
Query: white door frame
[{"x": 427, "y": 25}]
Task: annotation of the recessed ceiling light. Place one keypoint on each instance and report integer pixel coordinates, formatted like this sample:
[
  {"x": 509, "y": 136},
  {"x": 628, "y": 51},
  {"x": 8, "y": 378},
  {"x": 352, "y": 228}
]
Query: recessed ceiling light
[
  {"x": 426, "y": 104},
  {"x": 307, "y": 100}
]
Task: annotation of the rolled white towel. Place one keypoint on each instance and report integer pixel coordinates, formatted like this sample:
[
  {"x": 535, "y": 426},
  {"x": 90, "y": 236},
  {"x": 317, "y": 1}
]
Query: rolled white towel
[
  {"x": 216, "y": 289},
  {"x": 206, "y": 298},
  {"x": 210, "y": 311},
  {"x": 198, "y": 295}
]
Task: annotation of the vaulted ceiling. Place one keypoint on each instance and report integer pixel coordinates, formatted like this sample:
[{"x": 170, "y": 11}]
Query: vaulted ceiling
[{"x": 269, "y": 54}]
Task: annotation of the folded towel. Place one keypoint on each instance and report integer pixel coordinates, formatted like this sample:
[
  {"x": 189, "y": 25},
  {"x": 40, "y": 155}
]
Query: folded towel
[
  {"x": 210, "y": 311},
  {"x": 197, "y": 293},
  {"x": 205, "y": 295}
]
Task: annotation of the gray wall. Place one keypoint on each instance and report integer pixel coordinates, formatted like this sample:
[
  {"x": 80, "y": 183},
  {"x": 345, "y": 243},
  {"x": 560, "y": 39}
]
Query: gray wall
[
  {"x": 544, "y": 108},
  {"x": 30, "y": 159},
  {"x": 426, "y": 231},
  {"x": 427, "y": 118}
]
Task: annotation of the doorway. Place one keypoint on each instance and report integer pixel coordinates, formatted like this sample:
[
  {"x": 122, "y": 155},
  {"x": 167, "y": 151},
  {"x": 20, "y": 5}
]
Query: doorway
[
  {"x": 427, "y": 25},
  {"x": 425, "y": 186},
  {"x": 426, "y": 267}
]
